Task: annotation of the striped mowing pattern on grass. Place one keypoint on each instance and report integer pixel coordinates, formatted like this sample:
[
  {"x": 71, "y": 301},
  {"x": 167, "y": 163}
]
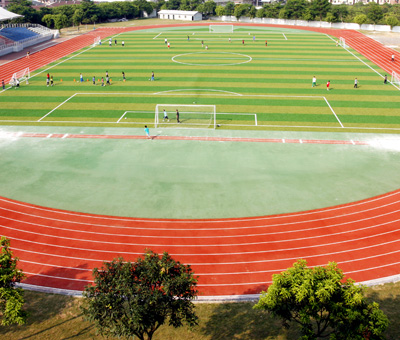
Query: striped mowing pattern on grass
[{"x": 237, "y": 72}]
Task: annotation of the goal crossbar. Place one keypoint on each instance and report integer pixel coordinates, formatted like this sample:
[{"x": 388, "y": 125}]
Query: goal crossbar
[
  {"x": 20, "y": 75},
  {"x": 220, "y": 28},
  {"x": 342, "y": 42},
  {"x": 202, "y": 116},
  {"x": 395, "y": 78}
]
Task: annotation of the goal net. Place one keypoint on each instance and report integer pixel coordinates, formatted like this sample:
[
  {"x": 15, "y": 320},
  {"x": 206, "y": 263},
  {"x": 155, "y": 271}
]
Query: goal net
[
  {"x": 221, "y": 28},
  {"x": 96, "y": 41},
  {"x": 20, "y": 76},
  {"x": 342, "y": 42},
  {"x": 395, "y": 78},
  {"x": 191, "y": 116}
]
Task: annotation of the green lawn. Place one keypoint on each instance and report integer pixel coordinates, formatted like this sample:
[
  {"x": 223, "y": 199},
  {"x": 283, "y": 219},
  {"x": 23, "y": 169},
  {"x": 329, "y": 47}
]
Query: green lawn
[
  {"x": 58, "y": 317},
  {"x": 252, "y": 86}
]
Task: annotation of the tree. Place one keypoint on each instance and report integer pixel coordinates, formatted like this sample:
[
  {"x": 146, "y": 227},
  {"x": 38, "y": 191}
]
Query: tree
[
  {"x": 240, "y": 10},
  {"x": 220, "y": 11},
  {"x": 360, "y": 19},
  {"x": 319, "y": 8},
  {"x": 294, "y": 9},
  {"x": 392, "y": 21},
  {"x": 209, "y": 7},
  {"x": 23, "y": 7},
  {"x": 135, "y": 299},
  {"x": 330, "y": 17},
  {"x": 229, "y": 8},
  {"x": 11, "y": 298},
  {"x": 323, "y": 304},
  {"x": 374, "y": 12},
  {"x": 48, "y": 20},
  {"x": 340, "y": 12}
]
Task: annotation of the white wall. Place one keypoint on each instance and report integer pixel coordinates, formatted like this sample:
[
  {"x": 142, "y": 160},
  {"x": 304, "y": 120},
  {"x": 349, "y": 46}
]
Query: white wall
[{"x": 324, "y": 24}]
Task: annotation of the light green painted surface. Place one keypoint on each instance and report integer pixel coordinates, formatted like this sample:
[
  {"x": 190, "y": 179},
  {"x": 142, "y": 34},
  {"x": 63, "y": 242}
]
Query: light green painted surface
[{"x": 193, "y": 179}]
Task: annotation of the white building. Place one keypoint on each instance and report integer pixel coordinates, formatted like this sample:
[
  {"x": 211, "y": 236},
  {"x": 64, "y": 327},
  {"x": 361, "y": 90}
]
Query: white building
[{"x": 180, "y": 15}]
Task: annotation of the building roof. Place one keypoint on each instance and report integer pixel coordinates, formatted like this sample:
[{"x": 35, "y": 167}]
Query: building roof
[
  {"x": 175, "y": 12},
  {"x": 7, "y": 15}
]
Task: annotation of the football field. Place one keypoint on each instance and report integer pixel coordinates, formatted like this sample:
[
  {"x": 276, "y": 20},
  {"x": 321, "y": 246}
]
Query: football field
[{"x": 254, "y": 77}]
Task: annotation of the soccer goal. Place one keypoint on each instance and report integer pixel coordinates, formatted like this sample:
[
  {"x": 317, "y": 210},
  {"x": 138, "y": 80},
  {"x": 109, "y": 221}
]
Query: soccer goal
[
  {"x": 96, "y": 41},
  {"x": 221, "y": 28},
  {"x": 20, "y": 76},
  {"x": 190, "y": 116},
  {"x": 395, "y": 78},
  {"x": 342, "y": 42}
]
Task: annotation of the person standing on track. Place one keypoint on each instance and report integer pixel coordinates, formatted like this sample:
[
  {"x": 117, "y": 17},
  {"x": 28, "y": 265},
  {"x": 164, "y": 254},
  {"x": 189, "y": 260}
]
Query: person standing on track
[
  {"x": 392, "y": 58},
  {"x": 147, "y": 131},
  {"x": 3, "y": 84}
]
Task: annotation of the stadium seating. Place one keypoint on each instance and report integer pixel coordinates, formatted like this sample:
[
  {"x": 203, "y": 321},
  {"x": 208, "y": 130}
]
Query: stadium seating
[{"x": 17, "y": 33}]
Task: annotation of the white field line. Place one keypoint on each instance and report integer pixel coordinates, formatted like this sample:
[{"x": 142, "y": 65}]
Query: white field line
[
  {"x": 246, "y": 262},
  {"x": 385, "y": 215},
  {"x": 171, "y": 92},
  {"x": 369, "y": 247},
  {"x": 222, "y": 245},
  {"x": 182, "y": 128},
  {"x": 334, "y": 112},
  {"x": 364, "y": 62},
  {"x": 265, "y": 218},
  {"x": 220, "y": 253},
  {"x": 284, "y": 36},
  {"x": 122, "y": 116},
  {"x": 57, "y": 107},
  {"x": 157, "y": 35}
]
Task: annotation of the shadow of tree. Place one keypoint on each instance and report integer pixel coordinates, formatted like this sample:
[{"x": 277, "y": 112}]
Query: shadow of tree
[
  {"x": 241, "y": 321},
  {"x": 388, "y": 297}
]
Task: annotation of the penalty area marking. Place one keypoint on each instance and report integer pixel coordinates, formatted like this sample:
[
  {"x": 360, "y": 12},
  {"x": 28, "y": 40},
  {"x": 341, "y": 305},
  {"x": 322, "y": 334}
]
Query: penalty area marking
[{"x": 171, "y": 92}]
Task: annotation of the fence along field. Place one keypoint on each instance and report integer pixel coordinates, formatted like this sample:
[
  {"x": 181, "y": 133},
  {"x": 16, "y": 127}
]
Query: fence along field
[{"x": 257, "y": 78}]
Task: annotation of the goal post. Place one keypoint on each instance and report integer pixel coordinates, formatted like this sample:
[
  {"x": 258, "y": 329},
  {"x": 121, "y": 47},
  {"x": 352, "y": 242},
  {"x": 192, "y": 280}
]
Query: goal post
[
  {"x": 20, "y": 76},
  {"x": 190, "y": 116},
  {"x": 96, "y": 41},
  {"x": 395, "y": 78},
  {"x": 220, "y": 28},
  {"x": 342, "y": 42}
]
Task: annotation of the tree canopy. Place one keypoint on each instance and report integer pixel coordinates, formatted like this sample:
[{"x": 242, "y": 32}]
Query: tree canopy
[
  {"x": 11, "y": 298},
  {"x": 323, "y": 303},
  {"x": 135, "y": 299}
]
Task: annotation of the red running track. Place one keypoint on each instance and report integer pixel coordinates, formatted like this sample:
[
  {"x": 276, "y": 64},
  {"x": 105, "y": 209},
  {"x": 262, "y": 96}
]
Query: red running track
[
  {"x": 231, "y": 256},
  {"x": 58, "y": 249}
]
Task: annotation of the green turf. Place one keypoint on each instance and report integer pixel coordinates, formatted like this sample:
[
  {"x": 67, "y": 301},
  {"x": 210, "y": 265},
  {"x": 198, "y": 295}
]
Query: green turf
[{"x": 273, "y": 82}]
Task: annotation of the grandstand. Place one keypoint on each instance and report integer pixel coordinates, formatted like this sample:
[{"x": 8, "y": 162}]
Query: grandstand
[
  {"x": 17, "y": 33},
  {"x": 16, "y": 37}
]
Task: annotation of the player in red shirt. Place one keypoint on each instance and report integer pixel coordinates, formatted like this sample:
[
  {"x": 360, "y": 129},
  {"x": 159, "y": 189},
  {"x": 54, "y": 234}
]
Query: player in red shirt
[{"x": 328, "y": 84}]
